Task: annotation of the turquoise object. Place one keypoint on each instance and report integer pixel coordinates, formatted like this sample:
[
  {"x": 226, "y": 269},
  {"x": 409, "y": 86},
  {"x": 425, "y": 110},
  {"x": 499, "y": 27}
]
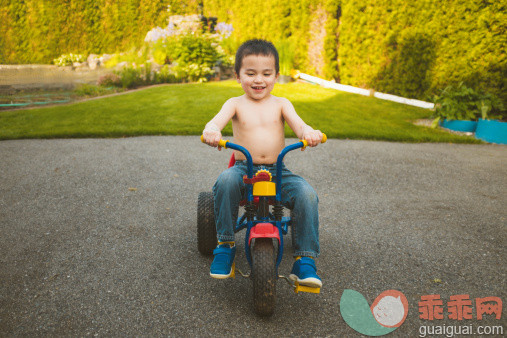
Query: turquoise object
[
  {"x": 492, "y": 131},
  {"x": 357, "y": 314},
  {"x": 459, "y": 125}
]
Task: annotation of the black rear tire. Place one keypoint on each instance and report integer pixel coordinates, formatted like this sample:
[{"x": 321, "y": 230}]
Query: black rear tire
[
  {"x": 264, "y": 276},
  {"x": 206, "y": 229}
]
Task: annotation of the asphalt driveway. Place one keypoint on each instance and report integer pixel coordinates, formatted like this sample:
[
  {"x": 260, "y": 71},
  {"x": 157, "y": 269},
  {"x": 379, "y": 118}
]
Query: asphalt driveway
[{"x": 98, "y": 236}]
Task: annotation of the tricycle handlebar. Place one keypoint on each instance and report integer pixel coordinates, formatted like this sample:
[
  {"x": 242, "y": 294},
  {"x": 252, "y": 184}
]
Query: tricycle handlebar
[
  {"x": 301, "y": 144},
  {"x": 223, "y": 143}
]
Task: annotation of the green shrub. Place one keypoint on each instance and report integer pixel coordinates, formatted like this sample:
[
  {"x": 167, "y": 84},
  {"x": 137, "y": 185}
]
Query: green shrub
[
  {"x": 194, "y": 56},
  {"x": 286, "y": 55},
  {"x": 90, "y": 90},
  {"x": 193, "y": 72},
  {"x": 165, "y": 75},
  {"x": 137, "y": 56},
  {"x": 192, "y": 49},
  {"x": 159, "y": 52},
  {"x": 146, "y": 73},
  {"x": 464, "y": 103},
  {"x": 69, "y": 59},
  {"x": 130, "y": 77},
  {"x": 109, "y": 80}
]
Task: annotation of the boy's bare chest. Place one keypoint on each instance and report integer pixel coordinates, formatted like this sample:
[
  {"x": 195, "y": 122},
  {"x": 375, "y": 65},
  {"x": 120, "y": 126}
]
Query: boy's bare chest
[{"x": 261, "y": 116}]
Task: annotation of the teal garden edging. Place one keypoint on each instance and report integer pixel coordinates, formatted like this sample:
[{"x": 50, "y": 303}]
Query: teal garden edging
[
  {"x": 492, "y": 131},
  {"x": 459, "y": 125}
]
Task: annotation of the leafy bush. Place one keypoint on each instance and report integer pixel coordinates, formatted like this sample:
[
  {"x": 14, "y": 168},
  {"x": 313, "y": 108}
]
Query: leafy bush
[
  {"x": 109, "y": 80},
  {"x": 286, "y": 54},
  {"x": 192, "y": 49},
  {"x": 130, "y": 77},
  {"x": 165, "y": 75},
  {"x": 90, "y": 90},
  {"x": 146, "y": 73},
  {"x": 159, "y": 52},
  {"x": 194, "y": 56},
  {"x": 133, "y": 56},
  {"x": 193, "y": 72},
  {"x": 464, "y": 103},
  {"x": 69, "y": 59}
]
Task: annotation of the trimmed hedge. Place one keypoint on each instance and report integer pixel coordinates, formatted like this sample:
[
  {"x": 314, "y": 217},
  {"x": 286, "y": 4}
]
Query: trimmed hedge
[
  {"x": 38, "y": 31},
  {"x": 287, "y": 19},
  {"x": 406, "y": 48},
  {"x": 413, "y": 48}
]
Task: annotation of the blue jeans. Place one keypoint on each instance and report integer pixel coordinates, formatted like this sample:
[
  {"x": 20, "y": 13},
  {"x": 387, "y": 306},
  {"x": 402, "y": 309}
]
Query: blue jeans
[{"x": 297, "y": 195}]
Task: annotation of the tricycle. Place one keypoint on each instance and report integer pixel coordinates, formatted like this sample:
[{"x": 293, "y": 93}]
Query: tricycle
[{"x": 264, "y": 239}]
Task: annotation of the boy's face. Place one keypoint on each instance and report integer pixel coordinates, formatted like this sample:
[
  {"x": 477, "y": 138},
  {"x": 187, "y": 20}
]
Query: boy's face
[{"x": 257, "y": 76}]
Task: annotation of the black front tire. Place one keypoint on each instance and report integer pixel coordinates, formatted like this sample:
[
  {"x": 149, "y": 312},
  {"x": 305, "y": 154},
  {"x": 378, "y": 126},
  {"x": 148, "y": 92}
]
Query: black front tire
[
  {"x": 264, "y": 276},
  {"x": 206, "y": 229}
]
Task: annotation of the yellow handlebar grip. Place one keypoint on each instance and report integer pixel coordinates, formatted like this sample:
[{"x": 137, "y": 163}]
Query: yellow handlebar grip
[
  {"x": 324, "y": 139},
  {"x": 223, "y": 143}
]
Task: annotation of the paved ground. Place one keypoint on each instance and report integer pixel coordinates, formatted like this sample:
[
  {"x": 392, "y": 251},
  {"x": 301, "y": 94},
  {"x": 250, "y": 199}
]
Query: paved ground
[{"x": 98, "y": 236}]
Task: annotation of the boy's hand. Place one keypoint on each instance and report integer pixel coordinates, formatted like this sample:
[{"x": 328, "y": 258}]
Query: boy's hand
[
  {"x": 212, "y": 135},
  {"x": 313, "y": 137}
]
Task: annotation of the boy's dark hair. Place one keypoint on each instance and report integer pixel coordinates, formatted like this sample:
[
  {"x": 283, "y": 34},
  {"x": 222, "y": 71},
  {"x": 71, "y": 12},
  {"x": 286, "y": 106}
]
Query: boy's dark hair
[{"x": 256, "y": 47}]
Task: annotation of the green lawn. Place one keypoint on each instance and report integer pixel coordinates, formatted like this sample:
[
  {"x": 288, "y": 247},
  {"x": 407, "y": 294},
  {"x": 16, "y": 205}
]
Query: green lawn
[{"x": 184, "y": 109}]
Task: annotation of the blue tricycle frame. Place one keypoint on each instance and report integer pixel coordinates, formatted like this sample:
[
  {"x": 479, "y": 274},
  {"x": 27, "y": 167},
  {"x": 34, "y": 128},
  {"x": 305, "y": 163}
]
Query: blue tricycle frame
[{"x": 243, "y": 222}]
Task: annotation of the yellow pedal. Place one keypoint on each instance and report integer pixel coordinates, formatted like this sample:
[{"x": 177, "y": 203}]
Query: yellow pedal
[
  {"x": 233, "y": 270},
  {"x": 302, "y": 288}
]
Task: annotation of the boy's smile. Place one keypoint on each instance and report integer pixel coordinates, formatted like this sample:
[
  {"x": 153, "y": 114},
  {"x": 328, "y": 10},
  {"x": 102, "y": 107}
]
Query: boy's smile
[{"x": 257, "y": 76}]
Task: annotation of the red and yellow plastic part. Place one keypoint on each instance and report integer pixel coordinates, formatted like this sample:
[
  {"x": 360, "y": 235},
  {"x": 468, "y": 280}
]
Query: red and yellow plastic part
[{"x": 264, "y": 188}]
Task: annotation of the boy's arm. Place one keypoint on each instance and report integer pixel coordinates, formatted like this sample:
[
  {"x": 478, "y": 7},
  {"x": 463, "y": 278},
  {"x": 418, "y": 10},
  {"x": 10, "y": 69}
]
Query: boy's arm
[
  {"x": 302, "y": 130},
  {"x": 212, "y": 131}
]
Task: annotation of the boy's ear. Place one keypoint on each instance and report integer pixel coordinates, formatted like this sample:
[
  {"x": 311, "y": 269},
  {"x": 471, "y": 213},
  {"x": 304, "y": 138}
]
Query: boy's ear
[{"x": 237, "y": 77}]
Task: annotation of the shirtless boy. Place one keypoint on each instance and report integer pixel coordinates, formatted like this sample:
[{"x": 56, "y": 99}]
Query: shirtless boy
[{"x": 258, "y": 120}]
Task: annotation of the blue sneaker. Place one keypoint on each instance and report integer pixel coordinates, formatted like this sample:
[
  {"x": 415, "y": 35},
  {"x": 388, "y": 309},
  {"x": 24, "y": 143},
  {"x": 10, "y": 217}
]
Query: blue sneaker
[
  {"x": 304, "y": 272},
  {"x": 223, "y": 263}
]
